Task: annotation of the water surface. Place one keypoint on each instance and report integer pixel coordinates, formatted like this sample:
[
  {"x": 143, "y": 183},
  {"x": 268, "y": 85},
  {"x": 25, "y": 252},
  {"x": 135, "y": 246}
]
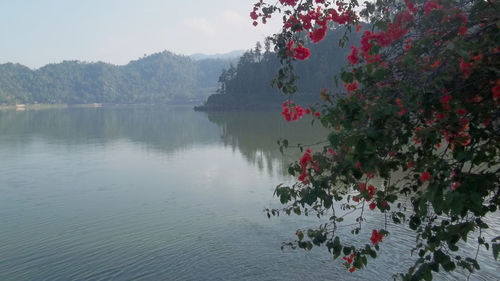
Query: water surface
[{"x": 141, "y": 193}]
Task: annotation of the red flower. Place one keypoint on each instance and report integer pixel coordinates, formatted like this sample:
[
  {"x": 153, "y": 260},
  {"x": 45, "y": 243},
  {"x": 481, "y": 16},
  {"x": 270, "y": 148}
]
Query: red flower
[
  {"x": 292, "y": 112},
  {"x": 376, "y": 237},
  {"x": 316, "y": 114},
  {"x": 353, "y": 57},
  {"x": 496, "y": 91},
  {"x": 308, "y": 111},
  {"x": 462, "y": 30},
  {"x": 355, "y": 198},
  {"x": 253, "y": 15},
  {"x": 425, "y": 176},
  {"x": 352, "y": 269},
  {"x": 318, "y": 34},
  {"x": 429, "y": 6},
  {"x": 288, "y": 2},
  {"x": 373, "y": 205},
  {"x": 410, "y": 164},
  {"x": 306, "y": 159},
  {"x": 411, "y": 6},
  {"x": 466, "y": 68},
  {"x": 455, "y": 185},
  {"x": 352, "y": 87},
  {"x": 402, "y": 111},
  {"x": 445, "y": 101},
  {"x": 461, "y": 112},
  {"x": 371, "y": 190},
  {"x": 301, "y": 53}
]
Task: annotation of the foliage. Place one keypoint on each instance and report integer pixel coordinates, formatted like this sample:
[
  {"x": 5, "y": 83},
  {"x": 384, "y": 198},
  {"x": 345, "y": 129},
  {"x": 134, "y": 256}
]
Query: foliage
[
  {"x": 158, "y": 78},
  {"x": 419, "y": 113}
]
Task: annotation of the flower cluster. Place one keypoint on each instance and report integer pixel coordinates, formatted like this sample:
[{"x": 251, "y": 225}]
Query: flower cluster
[
  {"x": 299, "y": 52},
  {"x": 306, "y": 161},
  {"x": 348, "y": 261},
  {"x": 426, "y": 72},
  {"x": 353, "y": 57},
  {"x": 291, "y": 111}
]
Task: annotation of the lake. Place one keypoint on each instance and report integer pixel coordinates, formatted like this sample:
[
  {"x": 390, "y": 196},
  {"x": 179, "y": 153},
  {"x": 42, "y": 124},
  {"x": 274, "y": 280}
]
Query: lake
[{"x": 164, "y": 193}]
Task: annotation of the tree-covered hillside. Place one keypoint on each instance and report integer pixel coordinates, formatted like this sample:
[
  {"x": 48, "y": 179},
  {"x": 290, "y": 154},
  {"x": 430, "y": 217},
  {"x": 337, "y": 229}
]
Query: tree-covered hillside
[
  {"x": 248, "y": 84},
  {"x": 159, "y": 78}
]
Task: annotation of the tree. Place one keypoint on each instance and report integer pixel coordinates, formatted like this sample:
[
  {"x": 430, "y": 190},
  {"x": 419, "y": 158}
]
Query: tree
[{"x": 419, "y": 113}]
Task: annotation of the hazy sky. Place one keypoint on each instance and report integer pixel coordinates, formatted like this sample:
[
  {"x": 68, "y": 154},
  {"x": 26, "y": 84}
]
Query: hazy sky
[{"x": 37, "y": 32}]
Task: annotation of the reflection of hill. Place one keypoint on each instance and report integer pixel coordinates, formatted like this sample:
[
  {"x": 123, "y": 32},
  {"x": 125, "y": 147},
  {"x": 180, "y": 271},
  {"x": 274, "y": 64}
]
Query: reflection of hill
[
  {"x": 255, "y": 135},
  {"x": 167, "y": 129}
]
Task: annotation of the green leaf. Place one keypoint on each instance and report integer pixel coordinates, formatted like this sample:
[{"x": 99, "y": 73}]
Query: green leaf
[
  {"x": 380, "y": 74},
  {"x": 334, "y": 139},
  {"x": 347, "y": 77},
  {"x": 300, "y": 235},
  {"x": 496, "y": 249}
]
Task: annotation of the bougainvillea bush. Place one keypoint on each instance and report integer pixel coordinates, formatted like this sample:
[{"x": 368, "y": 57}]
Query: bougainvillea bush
[{"x": 414, "y": 132}]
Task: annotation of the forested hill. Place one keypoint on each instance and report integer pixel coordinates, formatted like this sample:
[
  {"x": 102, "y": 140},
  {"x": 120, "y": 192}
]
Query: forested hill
[
  {"x": 159, "y": 78},
  {"x": 248, "y": 84}
]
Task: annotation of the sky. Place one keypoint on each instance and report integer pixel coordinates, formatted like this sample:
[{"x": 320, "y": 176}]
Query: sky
[{"x": 38, "y": 32}]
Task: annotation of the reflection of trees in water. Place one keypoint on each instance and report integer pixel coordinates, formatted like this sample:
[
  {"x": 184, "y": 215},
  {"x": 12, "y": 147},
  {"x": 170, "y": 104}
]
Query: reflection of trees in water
[
  {"x": 167, "y": 129},
  {"x": 255, "y": 135}
]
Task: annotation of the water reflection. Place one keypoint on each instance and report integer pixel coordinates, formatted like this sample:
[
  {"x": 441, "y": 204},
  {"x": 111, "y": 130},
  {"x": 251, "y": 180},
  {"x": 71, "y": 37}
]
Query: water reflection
[
  {"x": 255, "y": 135},
  {"x": 167, "y": 129},
  {"x": 118, "y": 211}
]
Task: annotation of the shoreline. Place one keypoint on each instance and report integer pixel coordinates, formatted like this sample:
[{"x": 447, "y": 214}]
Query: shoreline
[
  {"x": 42, "y": 106},
  {"x": 39, "y": 106}
]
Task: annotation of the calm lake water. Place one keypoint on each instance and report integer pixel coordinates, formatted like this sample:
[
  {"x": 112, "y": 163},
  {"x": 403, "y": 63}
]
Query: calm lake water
[{"x": 140, "y": 193}]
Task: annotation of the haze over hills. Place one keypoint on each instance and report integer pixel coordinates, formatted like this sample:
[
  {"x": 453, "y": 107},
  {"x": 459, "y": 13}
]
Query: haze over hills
[
  {"x": 162, "y": 77},
  {"x": 231, "y": 55}
]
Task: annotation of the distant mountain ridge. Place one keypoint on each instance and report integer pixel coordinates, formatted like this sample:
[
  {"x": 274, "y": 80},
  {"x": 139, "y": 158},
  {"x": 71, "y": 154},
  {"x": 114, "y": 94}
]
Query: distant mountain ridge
[
  {"x": 236, "y": 54},
  {"x": 162, "y": 77}
]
